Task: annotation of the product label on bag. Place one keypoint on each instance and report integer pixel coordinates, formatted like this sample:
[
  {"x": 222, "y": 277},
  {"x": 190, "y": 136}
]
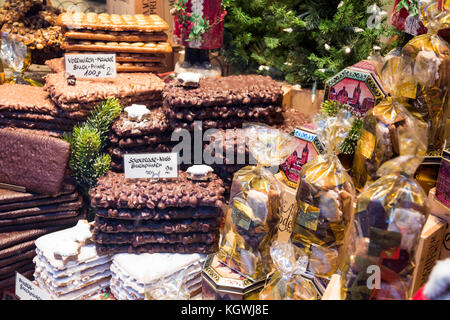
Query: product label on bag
[
  {"x": 27, "y": 290},
  {"x": 151, "y": 165},
  {"x": 91, "y": 66}
]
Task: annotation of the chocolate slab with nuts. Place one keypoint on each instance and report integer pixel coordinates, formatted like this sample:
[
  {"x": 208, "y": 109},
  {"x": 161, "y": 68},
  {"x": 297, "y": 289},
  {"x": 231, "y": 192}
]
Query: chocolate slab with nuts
[
  {"x": 118, "y": 153},
  {"x": 122, "y": 86},
  {"x": 224, "y": 112},
  {"x": 226, "y": 91},
  {"x": 155, "y": 123},
  {"x": 155, "y": 248},
  {"x": 168, "y": 227},
  {"x": 114, "y": 191},
  {"x": 140, "y": 238},
  {"x": 158, "y": 215},
  {"x": 35, "y": 162},
  {"x": 138, "y": 141}
]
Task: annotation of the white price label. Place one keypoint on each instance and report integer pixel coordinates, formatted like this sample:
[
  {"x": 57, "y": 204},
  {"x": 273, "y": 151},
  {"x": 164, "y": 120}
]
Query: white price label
[
  {"x": 91, "y": 65},
  {"x": 27, "y": 290},
  {"x": 151, "y": 165}
]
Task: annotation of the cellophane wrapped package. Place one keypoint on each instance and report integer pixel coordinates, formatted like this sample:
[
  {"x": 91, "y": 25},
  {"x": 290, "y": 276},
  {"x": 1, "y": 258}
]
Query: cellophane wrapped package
[
  {"x": 325, "y": 200},
  {"x": 253, "y": 216},
  {"x": 390, "y": 215}
]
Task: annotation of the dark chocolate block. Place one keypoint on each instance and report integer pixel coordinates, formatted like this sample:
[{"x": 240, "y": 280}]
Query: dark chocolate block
[
  {"x": 156, "y": 248},
  {"x": 40, "y": 125},
  {"x": 27, "y": 271},
  {"x": 226, "y": 91},
  {"x": 114, "y": 191},
  {"x": 7, "y": 270},
  {"x": 30, "y": 254},
  {"x": 60, "y": 207},
  {"x": 37, "y": 163},
  {"x": 149, "y": 100},
  {"x": 140, "y": 238},
  {"x": 156, "y": 123},
  {"x": 38, "y": 218},
  {"x": 158, "y": 215},
  {"x": 59, "y": 223},
  {"x": 167, "y": 227},
  {"x": 12, "y": 197},
  {"x": 38, "y": 202},
  {"x": 123, "y": 85},
  {"x": 17, "y": 249},
  {"x": 9, "y": 239}
]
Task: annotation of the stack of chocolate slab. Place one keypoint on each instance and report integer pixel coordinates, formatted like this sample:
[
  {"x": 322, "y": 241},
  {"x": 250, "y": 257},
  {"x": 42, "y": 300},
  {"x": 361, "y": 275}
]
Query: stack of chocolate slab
[
  {"x": 157, "y": 276},
  {"x": 139, "y": 40},
  {"x": 43, "y": 201},
  {"x": 178, "y": 215},
  {"x": 223, "y": 103},
  {"x": 85, "y": 94},
  {"x": 17, "y": 250},
  {"x": 150, "y": 134},
  {"x": 29, "y": 107},
  {"x": 67, "y": 264}
]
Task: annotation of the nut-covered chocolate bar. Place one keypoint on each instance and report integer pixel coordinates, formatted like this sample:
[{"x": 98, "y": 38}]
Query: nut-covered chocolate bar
[{"x": 139, "y": 216}]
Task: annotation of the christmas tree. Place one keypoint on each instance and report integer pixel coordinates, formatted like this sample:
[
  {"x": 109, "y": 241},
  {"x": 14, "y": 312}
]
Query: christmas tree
[{"x": 304, "y": 41}]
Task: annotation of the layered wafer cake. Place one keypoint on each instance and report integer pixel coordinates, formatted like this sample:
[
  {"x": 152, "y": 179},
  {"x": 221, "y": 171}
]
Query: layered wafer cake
[
  {"x": 223, "y": 103},
  {"x": 85, "y": 94},
  {"x": 157, "y": 276},
  {"x": 179, "y": 215},
  {"x": 138, "y": 130},
  {"x": 139, "y": 40},
  {"x": 29, "y": 107},
  {"x": 68, "y": 266}
]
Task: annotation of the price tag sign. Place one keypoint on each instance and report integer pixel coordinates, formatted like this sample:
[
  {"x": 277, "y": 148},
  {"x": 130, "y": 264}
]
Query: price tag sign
[
  {"x": 151, "y": 165},
  {"x": 91, "y": 66},
  {"x": 27, "y": 290}
]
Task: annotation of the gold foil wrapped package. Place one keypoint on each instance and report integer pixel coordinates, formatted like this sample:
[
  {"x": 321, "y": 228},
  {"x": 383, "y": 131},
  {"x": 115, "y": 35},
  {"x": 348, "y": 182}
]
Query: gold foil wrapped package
[
  {"x": 325, "y": 199},
  {"x": 380, "y": 138},
  {"x": 430, "y": 59},
  {"x": 16, "y": 56},
  {"x": 288, "y": 282},
  {"x": 389, "y": 219},
  {"x": 253, "y": 215}
]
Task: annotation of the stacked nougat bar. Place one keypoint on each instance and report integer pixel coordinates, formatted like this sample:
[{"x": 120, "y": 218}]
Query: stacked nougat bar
[
  {"x": 140, "y": 39},
  {"x": 224, "y": 103},
  {"x": 176, "y": 215},
  {"x": 150, "y": 134},
  {"x": 67, "y": 264},
  {"x": 156, "y": 276}
]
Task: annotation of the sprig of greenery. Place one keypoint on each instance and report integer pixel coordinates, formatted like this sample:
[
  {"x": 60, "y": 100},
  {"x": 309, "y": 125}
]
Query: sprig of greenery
[
  {"x": 331, "y": 108},
  {"x": 88, "y": 140}
]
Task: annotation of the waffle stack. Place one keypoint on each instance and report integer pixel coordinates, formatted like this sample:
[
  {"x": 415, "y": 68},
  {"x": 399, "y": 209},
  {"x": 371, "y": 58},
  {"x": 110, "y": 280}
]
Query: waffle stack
[
  {"x": 148, "y": 135},
  {"x": 139, "y": 40},
  {"x": 160, "y": 276},
  {"x": 67, "y": 265},
  {"x": 163, "y": 216},
  {"x": 223, "y": 103}
]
